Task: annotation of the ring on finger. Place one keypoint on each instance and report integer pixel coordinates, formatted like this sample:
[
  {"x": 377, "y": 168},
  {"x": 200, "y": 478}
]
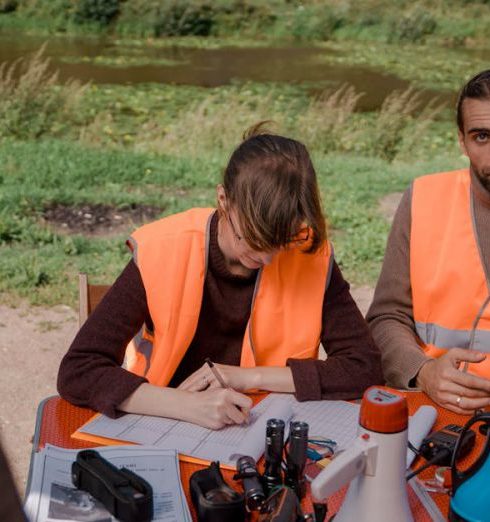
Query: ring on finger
[{"x": 458, "y": 400}]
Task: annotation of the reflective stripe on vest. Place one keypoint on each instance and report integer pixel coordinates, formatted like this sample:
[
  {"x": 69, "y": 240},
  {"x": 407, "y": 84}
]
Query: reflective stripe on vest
[
  {"x": 286, "y": 315},
  {"x": 450, "y": 289}
]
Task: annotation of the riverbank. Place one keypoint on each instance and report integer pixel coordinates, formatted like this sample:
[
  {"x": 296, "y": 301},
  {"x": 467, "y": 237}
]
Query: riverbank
[{"x": 451, "y": 23}]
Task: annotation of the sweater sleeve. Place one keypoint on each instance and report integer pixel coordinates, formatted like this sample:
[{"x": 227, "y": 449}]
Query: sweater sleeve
[
  {"x": 90, "y": 373},
  {"x": 353, "y": 361},
  {"x": 390, "y": 316}
]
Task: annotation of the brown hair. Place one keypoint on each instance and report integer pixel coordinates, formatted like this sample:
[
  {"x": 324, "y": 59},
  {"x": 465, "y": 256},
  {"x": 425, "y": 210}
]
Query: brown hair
[
  {"x": 477, "y": 88},
  {"x": 271, "y": 182}
]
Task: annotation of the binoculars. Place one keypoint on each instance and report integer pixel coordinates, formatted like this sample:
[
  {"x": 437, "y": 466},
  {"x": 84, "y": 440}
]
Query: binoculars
[
  {"x": 275, "y": 495},
  {"x": 258, "y": 488}
]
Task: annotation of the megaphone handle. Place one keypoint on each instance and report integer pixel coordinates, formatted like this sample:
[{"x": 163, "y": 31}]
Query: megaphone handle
[{"x": 343, "y": 468}]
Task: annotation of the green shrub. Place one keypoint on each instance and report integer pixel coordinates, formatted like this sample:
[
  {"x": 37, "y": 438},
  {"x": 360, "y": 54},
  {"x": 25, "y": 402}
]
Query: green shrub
[
  {"x": 242, "y": 16},
  {"x": 7, "y": 6},
  {"x": 52, "y": 13},
  {"x": 412, "y": 27},
  {"x": 315, "y": 24},
  {"x": 194, "y": 17},
  {"x": 179, "y": 18},
  {"x": 95, "y": 11}
]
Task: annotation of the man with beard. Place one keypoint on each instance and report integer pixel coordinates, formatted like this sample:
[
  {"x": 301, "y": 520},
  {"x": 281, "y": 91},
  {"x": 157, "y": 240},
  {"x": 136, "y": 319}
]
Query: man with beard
[{"x": 431, "y": 311}]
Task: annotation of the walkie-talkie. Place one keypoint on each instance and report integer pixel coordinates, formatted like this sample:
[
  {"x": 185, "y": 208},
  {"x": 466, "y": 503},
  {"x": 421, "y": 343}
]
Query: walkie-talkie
[{"x": 445, "y": 439}]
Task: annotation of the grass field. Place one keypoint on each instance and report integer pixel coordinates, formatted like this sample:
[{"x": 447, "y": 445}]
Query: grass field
[
  {"x": 164, "y": 147},
  {"x": 173, "y": 159}
]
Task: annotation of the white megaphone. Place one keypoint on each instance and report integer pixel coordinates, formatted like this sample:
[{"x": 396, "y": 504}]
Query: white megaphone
[{"x": 375, "y": 465}]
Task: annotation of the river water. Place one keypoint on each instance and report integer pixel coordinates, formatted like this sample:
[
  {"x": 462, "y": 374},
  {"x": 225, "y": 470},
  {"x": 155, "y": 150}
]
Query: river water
[{"x": 133, "y": 64}]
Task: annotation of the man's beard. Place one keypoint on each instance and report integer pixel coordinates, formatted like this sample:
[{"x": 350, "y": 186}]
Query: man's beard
[{"x": 484, "y": 176}]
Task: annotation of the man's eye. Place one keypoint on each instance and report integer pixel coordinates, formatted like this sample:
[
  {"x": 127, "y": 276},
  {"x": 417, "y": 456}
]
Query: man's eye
[{"x": 481, "y": 137}]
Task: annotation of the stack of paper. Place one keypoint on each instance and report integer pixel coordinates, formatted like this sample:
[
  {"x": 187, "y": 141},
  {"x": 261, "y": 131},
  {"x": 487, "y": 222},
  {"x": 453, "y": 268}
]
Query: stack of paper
[{"x": 53, "y": 498}]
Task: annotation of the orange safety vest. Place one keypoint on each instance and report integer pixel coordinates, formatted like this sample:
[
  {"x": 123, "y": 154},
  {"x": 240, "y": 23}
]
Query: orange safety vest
[
  {"x": 286, "y": 314},
  {"x": 450, "y": 289}
]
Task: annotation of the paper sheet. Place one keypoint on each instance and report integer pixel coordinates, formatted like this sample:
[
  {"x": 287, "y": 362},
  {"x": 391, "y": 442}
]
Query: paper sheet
[
  {"x": 334, "y": 419},
  {"x": 225, "y": 445},
  {"x": 53, "y": 498}
]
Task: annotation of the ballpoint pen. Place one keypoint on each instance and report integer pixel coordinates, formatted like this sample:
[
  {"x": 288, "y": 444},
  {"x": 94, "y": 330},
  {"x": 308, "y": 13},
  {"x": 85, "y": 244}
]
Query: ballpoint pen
[
  {"x": 216, "y": 373},
  {"x": 221, "y": 381}
]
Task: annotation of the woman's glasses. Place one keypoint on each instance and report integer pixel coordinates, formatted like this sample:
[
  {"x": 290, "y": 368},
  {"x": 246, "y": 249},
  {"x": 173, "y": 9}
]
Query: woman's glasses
[
  {"x": 237, "y": 236},
  {"x": 298, "y": 239},
  {"x": 301, "y": 237}
]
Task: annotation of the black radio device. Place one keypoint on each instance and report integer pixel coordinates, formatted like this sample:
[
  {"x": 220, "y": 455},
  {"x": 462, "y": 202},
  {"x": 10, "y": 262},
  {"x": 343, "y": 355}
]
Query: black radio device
[{"x": 445, "y": 439}]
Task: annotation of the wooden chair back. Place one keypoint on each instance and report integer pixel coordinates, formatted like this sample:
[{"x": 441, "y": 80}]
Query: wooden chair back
[{"x": 89, "y": 296}]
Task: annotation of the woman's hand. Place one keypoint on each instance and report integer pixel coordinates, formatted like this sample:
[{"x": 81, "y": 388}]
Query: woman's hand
[
  {"x": 269, "y": 378},
  {"x": 235, "y": 377},
  {"x": 213, "y": 408},
  {"x": 216, "y": 408}
]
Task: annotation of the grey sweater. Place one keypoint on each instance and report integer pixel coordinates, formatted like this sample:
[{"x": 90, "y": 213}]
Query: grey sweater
[{"x": 390, "y": 316}]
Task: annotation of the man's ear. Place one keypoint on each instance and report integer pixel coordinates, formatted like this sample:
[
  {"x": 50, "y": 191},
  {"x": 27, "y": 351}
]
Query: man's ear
[{"x": 462, "y": 145}]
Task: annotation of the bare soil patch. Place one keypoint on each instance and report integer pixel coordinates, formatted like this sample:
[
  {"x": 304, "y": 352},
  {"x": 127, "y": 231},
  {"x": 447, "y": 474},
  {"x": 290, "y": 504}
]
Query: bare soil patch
[
  {"x": 98, "y": 219},
  {"x": 32, "y": 342}
]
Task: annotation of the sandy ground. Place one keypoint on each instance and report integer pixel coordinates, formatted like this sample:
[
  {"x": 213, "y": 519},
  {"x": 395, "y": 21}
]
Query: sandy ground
[{"x": 32, "y": 342}]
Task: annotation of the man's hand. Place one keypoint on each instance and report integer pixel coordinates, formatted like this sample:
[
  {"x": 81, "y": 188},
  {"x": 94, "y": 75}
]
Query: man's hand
[{"x": 453, "y": 389}]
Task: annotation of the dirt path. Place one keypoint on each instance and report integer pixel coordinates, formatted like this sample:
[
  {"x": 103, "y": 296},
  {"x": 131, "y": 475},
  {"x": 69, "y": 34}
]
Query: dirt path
[{"x": 32, "y": 342}]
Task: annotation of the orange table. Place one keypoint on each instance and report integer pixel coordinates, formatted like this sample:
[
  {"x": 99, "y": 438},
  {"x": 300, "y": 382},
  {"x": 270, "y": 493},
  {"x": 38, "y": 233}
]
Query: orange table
[{"x": 58, "y": 419}]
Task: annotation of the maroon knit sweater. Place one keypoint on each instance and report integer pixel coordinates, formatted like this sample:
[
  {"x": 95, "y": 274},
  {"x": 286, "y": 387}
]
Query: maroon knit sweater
[{"x": 91, "y": 375}]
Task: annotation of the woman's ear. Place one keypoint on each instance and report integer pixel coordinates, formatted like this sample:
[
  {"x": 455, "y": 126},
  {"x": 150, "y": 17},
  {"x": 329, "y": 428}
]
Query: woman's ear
[{"x": 221, "y": 195}]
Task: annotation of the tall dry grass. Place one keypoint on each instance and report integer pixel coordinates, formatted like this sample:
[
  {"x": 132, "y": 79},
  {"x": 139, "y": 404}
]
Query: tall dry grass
[
  {"x": 216, "y": 123},
  {"x": 32, "y": 101},
  {"x": 323, "y": 124},
  {"x": 327, "y": 123},
  {"x": 400, "y": 122}
]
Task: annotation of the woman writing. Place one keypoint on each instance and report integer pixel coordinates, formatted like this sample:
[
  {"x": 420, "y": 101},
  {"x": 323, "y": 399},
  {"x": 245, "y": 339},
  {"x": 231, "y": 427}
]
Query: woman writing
[{"x": 252, "y": 285}]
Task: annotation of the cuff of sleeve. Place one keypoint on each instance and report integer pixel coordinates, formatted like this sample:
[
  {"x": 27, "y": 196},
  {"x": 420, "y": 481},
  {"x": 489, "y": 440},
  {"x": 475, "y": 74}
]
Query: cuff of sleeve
[
  {"x": 122, "y": 389},
  {"x": 412, "y": 382},
  {"x": 413, "y": 363},
  {"x": 306, "y": 379}
]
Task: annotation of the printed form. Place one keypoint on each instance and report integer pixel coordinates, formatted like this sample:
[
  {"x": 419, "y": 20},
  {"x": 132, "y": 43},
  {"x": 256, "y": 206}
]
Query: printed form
[{"x": 333, "y": 419}]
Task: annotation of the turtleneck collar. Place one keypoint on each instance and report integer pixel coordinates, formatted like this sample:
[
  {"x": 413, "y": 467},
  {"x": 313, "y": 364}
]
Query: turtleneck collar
[{"x": 217, "y": 261}]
